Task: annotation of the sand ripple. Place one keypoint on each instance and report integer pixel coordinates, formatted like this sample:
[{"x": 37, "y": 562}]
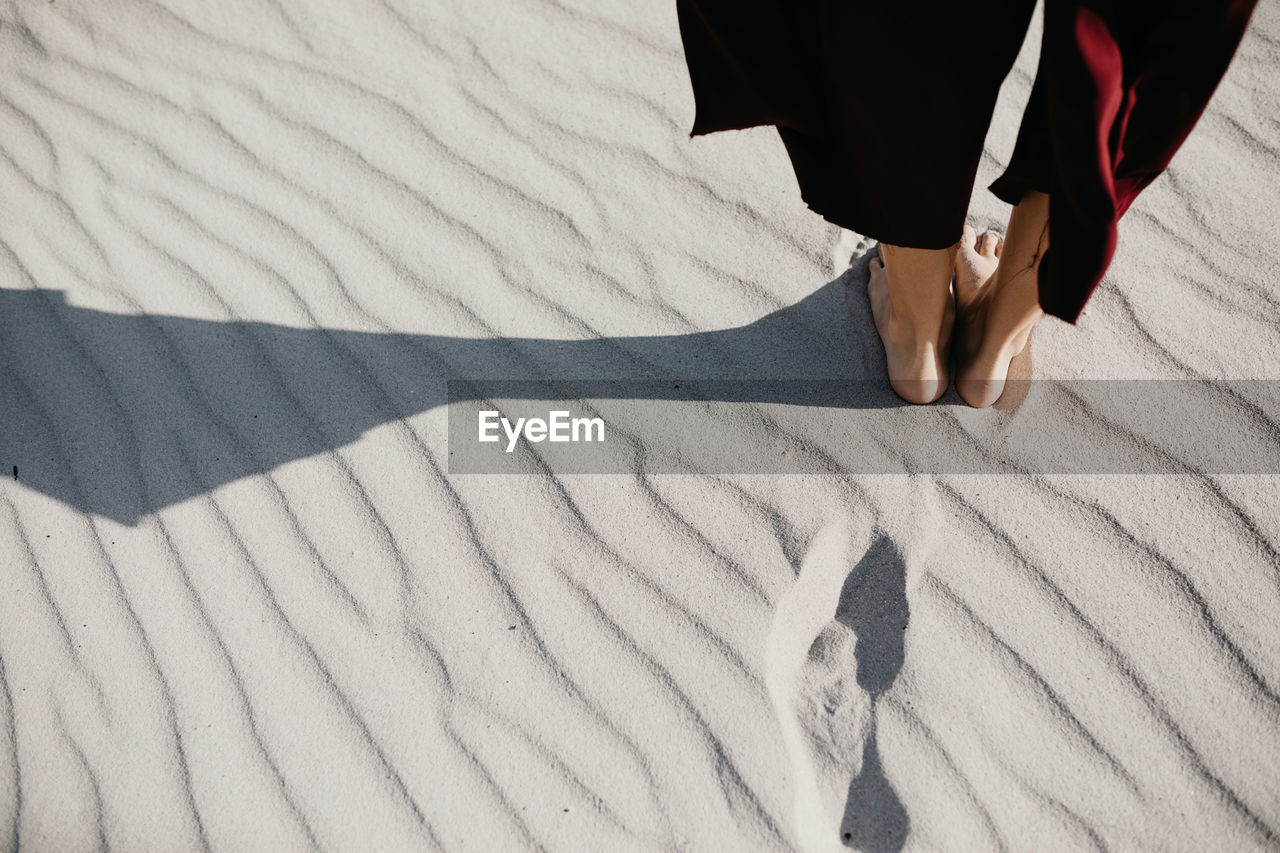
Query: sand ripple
[{"x": 245, "y": 607}]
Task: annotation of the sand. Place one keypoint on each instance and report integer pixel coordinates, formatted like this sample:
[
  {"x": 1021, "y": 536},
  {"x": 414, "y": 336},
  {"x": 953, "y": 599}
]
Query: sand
[{"x": 245, "y": 606}]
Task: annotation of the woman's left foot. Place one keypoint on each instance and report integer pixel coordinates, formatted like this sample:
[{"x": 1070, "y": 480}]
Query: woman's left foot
[{"x": 914, "y": 311}]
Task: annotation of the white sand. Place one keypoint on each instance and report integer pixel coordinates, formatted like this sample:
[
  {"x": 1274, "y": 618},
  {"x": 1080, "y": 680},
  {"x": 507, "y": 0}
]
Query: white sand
[{"x": 243, "y": 608}]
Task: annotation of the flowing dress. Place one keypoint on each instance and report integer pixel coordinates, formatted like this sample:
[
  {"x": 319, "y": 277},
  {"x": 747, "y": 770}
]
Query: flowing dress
[{"x": 883, "y": 108}]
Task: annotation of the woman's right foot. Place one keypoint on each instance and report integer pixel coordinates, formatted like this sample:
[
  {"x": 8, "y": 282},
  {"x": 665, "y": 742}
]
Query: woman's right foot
[{"x": 997, "y": 301}]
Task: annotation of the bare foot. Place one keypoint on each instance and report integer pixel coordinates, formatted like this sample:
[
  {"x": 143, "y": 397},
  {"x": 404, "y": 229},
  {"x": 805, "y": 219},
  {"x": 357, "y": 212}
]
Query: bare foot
[
  {"x": 914, "y": 318},
  {"x": 976, "y": 260},
  {"x": 997, "y": 301}
]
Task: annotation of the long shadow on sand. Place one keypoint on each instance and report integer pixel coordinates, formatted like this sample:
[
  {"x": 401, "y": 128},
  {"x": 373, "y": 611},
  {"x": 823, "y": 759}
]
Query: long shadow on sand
[{"x": 121, "y": 415}]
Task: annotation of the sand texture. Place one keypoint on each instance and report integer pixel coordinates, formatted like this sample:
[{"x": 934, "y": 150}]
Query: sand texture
[{"x": 244, "y": 606}]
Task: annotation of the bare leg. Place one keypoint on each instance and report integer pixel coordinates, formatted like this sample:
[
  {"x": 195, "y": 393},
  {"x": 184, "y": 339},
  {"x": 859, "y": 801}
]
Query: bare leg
[
  {"x": 914, "y": 310},
  {"x": 998, "y": 303}
]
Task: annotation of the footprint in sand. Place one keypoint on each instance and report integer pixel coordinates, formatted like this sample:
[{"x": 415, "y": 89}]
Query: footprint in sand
[{"x": 836, "y": 645}]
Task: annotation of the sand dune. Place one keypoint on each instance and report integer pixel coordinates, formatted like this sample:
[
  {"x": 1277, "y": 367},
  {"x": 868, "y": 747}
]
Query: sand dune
[{"x": 245, "y": 605}]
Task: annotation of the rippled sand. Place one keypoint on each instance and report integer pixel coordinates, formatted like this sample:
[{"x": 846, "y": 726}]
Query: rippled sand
[{"x": 243, "y": 605}]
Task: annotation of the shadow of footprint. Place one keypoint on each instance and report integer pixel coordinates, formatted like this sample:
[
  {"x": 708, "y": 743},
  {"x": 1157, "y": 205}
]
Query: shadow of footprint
[
  {"x": 873, "y": 605},
  {"x": 825, "y": 690},
  {"x": 874, "y": 818}
]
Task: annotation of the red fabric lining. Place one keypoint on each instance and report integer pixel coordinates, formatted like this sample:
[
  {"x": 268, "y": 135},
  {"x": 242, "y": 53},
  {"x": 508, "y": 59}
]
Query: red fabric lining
[{"x": 1120, "y": 85}]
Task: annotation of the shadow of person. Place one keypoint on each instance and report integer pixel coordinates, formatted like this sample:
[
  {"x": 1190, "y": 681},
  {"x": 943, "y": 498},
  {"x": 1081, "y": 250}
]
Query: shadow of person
[
  {"x": 122, "y": 415},
  {"x": 873, "y": 604}
]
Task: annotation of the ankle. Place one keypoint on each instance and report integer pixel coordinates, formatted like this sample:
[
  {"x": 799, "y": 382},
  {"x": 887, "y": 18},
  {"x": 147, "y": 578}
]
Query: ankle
[
  {"x": 920, "y": 310},
  {"x": 909, "y": 325}
]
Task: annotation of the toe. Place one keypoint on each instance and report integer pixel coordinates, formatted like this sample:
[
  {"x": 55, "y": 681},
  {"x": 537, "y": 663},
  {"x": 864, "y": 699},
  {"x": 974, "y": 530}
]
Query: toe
[
  {"x": 968, "y": 246},
  {"x": 999, "y": 248},
  {"x": 988, "y": 245}
]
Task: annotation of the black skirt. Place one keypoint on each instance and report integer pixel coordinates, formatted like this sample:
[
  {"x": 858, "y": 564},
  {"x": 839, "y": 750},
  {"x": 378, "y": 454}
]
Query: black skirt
[{"x": 883, "y": 108}]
